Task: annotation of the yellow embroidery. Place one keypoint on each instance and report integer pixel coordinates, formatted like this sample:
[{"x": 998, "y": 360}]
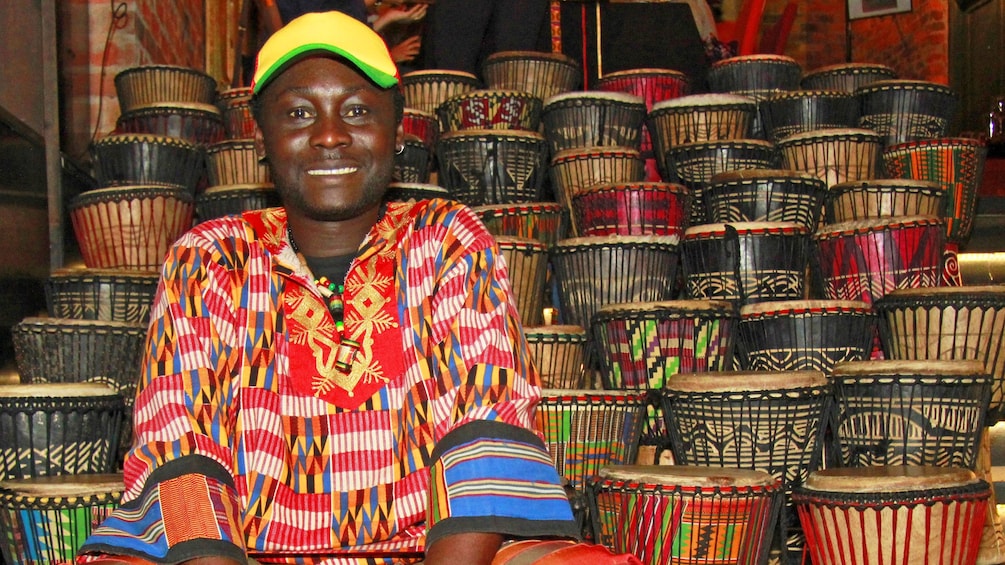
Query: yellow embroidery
[
  {"x": 369, "y": 293},
  {"x": 317, "y": 331}
]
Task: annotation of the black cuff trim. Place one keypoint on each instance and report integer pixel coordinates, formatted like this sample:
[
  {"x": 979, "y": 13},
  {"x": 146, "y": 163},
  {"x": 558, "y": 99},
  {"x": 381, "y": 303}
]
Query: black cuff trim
[
  {"x": 180, "y": 553},
  {"x": 480, "y": 429}
]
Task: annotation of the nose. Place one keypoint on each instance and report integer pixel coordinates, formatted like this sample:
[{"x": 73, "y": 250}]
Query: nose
[{"x": 330, "y": 130}]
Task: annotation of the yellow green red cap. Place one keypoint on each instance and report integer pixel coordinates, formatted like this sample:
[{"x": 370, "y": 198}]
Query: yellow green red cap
[{"x": 326, "y": 32}]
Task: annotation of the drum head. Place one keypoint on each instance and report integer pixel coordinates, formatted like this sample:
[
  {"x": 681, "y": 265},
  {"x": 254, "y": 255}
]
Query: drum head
[
  {"x": 65, "y": 486},
  {"x": 888, "y": 478},
  {"x": 57, "y": 390},
  {"x": 788, "y": 307},
  {"x": 896, "y": 368},
  {"x": 687, "y": 475},
  {"x": 749, "y": 381}
]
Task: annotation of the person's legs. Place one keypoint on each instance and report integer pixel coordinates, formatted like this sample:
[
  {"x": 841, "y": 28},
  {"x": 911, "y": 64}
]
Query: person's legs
[{"x": 455, "y": 33}]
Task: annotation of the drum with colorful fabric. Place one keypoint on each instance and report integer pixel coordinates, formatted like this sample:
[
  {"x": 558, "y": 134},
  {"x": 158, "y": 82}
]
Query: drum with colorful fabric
[
  {"x": 695, "y": 164},
  {"x": 235, "y": 106},
  {"x": 641, "y": 208},
  {"x": 907, "y": 110},
  {"x": 491, "y": 109},
  {"x": 834, "y": 155},
  {"x": 413, "y": 162},
  {"x": 59, "y": 429},
  {"x": 423, "y": 125},
  {"x": 585, "y": 430},
  {"x": 892, "y": 514},
  {"x": 414, "y": 191},
  {"x": 130, "y": 227},
  {"x": 787, "y": 113},
  {"x": 541, "y": 221},
  {"x": 910, "y": 412},
  {"x": 559, "y": 353},
  {"x": 575, "y": 170},
  {"x": 592, "y": 272},
  {"x": 796, "y": 335},
  {"x": 949, "y": 323},
  {"x": 866, "y": 259},
  {"x": 47, "y": 519},
  {"x": 482, "y": 167},
  {"x": 130, "y": 158},
  {"x": 119, "y": 295},
  {"x": 63, "y": 350},
  {"x": 846, "y": 77},
  {"x": 956, "y": 164},
  {"x": 773, "y": 422},
  {"x": 156, "y": 84},
  {"x": 587, "y": 119},
  {"x": 527, "y": 265},
  {"x": 539, "y": 73},
  {"x": 678, "y": 514},
  {"x": 236, "y": 162},
  {"x": 754, "y": 73},
  {"x": 700, "y": 117},
  {"x": 230, "y": 199},
  {"x": 746, "y": 262},
  {"x": 883, "y": 198},
  {"x": 200, "y": 124},
  {"x": 426, "y": 89},
  {"x": 765, "y": 195}
]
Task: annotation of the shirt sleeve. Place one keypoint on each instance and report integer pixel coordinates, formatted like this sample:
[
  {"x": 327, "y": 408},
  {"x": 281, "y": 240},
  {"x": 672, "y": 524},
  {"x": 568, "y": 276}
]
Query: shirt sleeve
[
  {"x": 180, "y": 499},
  {"x": 490, "y": 470}
]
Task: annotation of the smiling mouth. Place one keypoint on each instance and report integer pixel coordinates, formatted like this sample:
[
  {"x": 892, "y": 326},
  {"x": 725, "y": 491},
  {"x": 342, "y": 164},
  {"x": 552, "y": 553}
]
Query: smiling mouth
[{"x": 332, "y": 172}]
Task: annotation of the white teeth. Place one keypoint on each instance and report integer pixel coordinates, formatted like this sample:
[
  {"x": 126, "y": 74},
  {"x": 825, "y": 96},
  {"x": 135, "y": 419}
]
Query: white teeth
[{"x": 339, "y": 171}]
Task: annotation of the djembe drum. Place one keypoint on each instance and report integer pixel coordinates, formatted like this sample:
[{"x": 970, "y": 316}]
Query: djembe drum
[
  {"x": 575, "y": 170},
  {"x": 640, "y": 346},
  {"x": 131, "y": 159},
  {"x": 59, "y": 429},
  {"x": 481, "y": 167},
  {"x": 414, "y": 162},
  {"x": 232, "y": 199},
  {"x": 423, "y": 125},
  {"x": 909, "y": 412},
  {"x": 642, "y": 208},
  {"x": 491, "y": 109},
  {"x": 47, "y": 519},
  {"x": 592, "y": 272},
  {"x": 413, "y": 192},
  {"x": 588, "y": 119},
  {"x": 235, "y": 107},
  {"x": 765, "y": 195},
  {"x": 541, "y": 221},
  {"x": 679, "y": 514},
  {"x": 130, "y": 227},
  {"x": 539, "y": 73},
  {"x": 797, "y": 335},
  {"x": 833, "y": 155},
  {"x": 883, "y": 198},
  {"x": 772, "y": 422},
  {"x": 892, "y": 514},
  {"x": 527, "y": 265},
  {"x": 120, "y": 295},
  {"x": 760, "y": 73},
  {"x": 200, "y": 124},
  {"x": 235, "y": 162},
  {"x": 426, "y": 89},
  {"x": 559, "y": 353},
  {"x": 787, "y": 113},
  {"x": 846, "y": 77},
  {"x": 155, "y": 84},
  {"x": 745, "y": 262},
  {"x": 906, "y": 110},
  {"x": 695, "y": 164},
  {"x": 866, "y": 259}
]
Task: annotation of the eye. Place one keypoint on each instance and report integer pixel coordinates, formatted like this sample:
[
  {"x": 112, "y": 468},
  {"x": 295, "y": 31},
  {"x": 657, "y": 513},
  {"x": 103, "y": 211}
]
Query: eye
[
  {"x": 300, "y": 113},
  {"x": 356, "y": 111}
]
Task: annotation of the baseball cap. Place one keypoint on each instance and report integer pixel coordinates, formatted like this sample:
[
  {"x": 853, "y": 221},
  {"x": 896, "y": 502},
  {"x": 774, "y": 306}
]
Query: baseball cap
[{"x": 326, "y": 32}]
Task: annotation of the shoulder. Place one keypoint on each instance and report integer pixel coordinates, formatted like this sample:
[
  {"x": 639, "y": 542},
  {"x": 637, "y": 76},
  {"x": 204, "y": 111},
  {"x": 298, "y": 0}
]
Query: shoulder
[
  {"x": 229, "y": 238},
  {"x": 455, "y": 222}
]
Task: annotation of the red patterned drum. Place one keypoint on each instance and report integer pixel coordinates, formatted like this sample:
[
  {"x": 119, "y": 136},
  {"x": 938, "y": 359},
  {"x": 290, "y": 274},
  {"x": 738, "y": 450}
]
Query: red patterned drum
[
  {"x": 539, "y": 73},
  {"x": 653, "y": 85},
  {"x": 423, "y": 125},
  {"x": 559, "y": 353},
  {"x": 846, "y": 77},
  {"x": 643, "y": 208},
  {"x": 678, "y": 514},
  {"x": 587, "y": 119},
  {"x": 893, "y": 514},
  {"x": 491, "y": 109},
  {"x": 541, "y": 221},
  {"x": 765, "y": 195},
  {"x": 426, "y": 89},
  {"x": 200, "y": 124},
  {"x": 833, "y": 155},
  {"x": 575, "y": 170},
  {"x": 235, "y": 105},
  {"x": 907, "y": 110},
  {"x": 866, "y": 259}
]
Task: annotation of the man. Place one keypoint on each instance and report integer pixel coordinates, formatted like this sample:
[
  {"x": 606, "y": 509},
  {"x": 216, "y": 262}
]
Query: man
[{"x": 338, "y": 380}]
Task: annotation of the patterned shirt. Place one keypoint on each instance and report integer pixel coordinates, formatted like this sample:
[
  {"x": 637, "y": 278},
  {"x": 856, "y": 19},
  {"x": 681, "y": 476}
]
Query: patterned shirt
[{"x": 251, "y": 438}]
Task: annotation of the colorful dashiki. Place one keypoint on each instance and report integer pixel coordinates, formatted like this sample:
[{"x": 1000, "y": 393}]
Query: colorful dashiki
[{"x": 250, "y": 439}]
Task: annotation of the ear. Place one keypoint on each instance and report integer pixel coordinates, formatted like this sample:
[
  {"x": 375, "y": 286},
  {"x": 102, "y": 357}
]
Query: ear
[
  {"x": 399, "y": 136},
  {"x": 259, "y": 144}
]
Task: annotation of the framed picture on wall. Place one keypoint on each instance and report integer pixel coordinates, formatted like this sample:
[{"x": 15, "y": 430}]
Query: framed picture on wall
[{"x": 858, "y": 9}]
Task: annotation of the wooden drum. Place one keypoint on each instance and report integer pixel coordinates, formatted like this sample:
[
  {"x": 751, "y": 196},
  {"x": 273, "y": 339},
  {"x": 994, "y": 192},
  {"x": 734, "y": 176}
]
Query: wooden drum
[
  {"x": 481, "y": 167},
  {"x": 414, "y": 162},
  {"x": 909, "y": 412},
  {"x": 236, "y": 161},
  {"x": 892, "y": 514},
  {"x": 426, "y": 89},
  {"x": 201, "y": 124},
  {"x": 527, "y": 264},
  {"x": 133, "y": 158},
  {"x": 833, "y": 155},
  {"x": 907, "y": 110},
  {"x": 765, "y": 195},
  {"x": 883, "y": 198},
  {"x": 154, "y": 84},
  {"x": 700, "y": 117},
  {"x": 760, "y": 73},
  {"x": 798, "y": 111},
  {"x": 575, "y": 170},
  {"x": 232, "y": 199},
  {"x": 846, "y": 77},
  {"x": 585, "y": 119},
  {"x": 119, "y": 295},
  {"x": 680, "y": 514},
  {"x": 59, "y": 429},
  {"x": 559, "y": 353},
  {"x": 641, "y": 208},
  {"x": 235, "y": 107},
  {"x": 539, "y": 73},
  {"x": 47, "y": 519},
  {"x": 491, "y": 109},
  {"x": 541, "y": 221}
]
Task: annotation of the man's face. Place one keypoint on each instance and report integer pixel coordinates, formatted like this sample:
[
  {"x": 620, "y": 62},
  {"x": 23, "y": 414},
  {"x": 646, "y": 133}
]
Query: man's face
[{"x": 329, "y": 136}]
